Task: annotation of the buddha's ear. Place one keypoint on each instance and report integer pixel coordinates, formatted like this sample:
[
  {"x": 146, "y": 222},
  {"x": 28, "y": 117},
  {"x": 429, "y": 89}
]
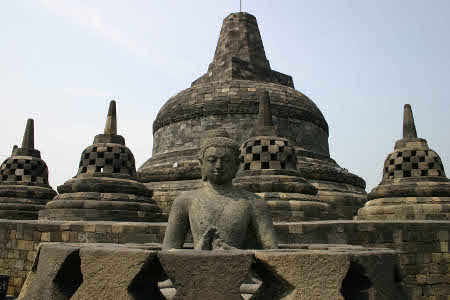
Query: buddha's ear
[{"x": 201, "y": 161}]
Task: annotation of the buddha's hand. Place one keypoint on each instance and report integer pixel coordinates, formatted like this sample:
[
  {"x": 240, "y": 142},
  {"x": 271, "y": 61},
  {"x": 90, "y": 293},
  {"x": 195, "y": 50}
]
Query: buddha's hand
[
  {"x": 219, "y": 244},
  {"x": 207, "y": 239}
]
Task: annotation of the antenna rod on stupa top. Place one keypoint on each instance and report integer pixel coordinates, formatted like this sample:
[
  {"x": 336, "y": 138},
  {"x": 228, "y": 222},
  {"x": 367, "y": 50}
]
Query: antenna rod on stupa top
[
  {"x": 111, "y": 119},
  {"x": 28, "y": 137},
  {"x": 240, "y": 5},
  {"x": 409, "y": 128}
]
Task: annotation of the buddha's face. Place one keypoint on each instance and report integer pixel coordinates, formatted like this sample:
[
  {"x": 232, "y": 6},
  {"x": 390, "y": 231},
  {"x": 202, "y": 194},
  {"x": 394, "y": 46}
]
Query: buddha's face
[{"x": 219, "y": 165}]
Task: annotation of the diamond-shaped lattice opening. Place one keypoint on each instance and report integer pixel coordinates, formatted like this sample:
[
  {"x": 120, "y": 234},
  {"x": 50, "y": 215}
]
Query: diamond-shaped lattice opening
[
  {"x": 167, "y": 289},
  {"x": 250, "y": 286},
  {"x": 356, "y": 285},
  {"x": 69, "y": 277},
  {"x": 267, "y": 284},
  {"x": 145, "y": 284}
]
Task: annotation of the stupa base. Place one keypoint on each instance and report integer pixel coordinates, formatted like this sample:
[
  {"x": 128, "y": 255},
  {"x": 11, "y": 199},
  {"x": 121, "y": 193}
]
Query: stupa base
[
  {"x": 406, "y": 208},
  {"x": 295, "y": 207},
  {"x": 19, "y": 213},
  {"x": 101, "y": 207}
]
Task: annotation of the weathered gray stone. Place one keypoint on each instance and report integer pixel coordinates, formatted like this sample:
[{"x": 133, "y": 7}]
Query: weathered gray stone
[
  {"x": 219, "y": 211},
  {"x": 111, "y": 272},
  {"x": 301, "y": 275},
  {"x": 56, "y": 274},
  {"x": 269, "y": 168},
  {"x": 414, "y": 184},
  {"x": 138, "y": 272},
  {"x": 24, "y": 188},
  {"x": 329, "y": 272},
  {"x": 106, "y": 187},
  {"x": 379, "y": 276},
  {"x": 228, "y": 97},
  {"x": 206, "y": 274}
]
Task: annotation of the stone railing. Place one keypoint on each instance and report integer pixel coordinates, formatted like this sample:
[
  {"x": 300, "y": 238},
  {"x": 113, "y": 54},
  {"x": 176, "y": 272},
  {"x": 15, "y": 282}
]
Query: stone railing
[
  {"x": 423, "y": 245},
  {"x": 109, "y": 271}
]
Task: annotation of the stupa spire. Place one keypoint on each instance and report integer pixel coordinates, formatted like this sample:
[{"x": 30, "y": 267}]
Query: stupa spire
[
  {"x": 265, "y": 125},
  {"x": 409, "y": 128},
  {"x": 240, "y": 54},
  {"x": 240, "y": 38},
  {"x": 111, "y": 119},
  {"x": 28, "y": 137},
  {"x": 110, "y": 134}
]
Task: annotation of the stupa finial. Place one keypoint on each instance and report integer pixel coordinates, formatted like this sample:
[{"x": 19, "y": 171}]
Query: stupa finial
[
  {"x": 265, "y": 114},
  {"x": 265, "y": 125},
  {"x": 14, "y": 148},
  {"x": 409, "y": 128},
  {"x": 111, "y": 119},
  {"x": 28, "y": 137}
]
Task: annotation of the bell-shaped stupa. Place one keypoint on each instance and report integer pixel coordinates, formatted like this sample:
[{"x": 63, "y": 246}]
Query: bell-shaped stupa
[
  {"x": 227, "y": 96},
  {"x": 269, "y": 168},
  {"x": 24, "y": 188},
  {"x": 414, "y": 185},
  {"x": 106, "y": 187}
]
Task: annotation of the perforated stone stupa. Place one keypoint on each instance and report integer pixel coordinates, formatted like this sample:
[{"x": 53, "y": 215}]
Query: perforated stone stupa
[
  {"x": 414, "y": 185},
  {"x": 227, "y": 96},
  {"x": 106, "y": 187},
  {"x": 24, "y": 188},
  {"x": 269, "y": 168}
]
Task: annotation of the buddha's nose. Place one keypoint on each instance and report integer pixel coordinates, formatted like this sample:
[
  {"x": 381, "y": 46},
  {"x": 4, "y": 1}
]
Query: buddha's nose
[{"x": 219, "y": 164}]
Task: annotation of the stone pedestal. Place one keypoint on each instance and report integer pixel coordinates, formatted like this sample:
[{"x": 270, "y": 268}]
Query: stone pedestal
[{"x": 102, "y": 271}]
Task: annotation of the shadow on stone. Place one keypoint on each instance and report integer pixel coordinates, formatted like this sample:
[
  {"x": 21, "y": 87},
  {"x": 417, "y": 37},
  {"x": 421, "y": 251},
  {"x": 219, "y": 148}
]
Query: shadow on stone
[
  {"x": 69, "y": 277},
  {"x": 273, "y": 285},
  {"x": 145, "y": 285},
  {"x": 356, "y": 284}
]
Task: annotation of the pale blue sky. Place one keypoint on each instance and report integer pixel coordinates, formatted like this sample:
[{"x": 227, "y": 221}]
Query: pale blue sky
[{"x": 62, "y": 61}]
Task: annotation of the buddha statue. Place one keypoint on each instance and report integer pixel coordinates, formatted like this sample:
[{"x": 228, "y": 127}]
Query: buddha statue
[{"x": 219, "y": 215}]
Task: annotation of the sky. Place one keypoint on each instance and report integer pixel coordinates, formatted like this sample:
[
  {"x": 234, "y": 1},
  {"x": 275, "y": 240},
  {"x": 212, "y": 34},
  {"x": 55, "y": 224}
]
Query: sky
[{"x": 62, "y": 61}]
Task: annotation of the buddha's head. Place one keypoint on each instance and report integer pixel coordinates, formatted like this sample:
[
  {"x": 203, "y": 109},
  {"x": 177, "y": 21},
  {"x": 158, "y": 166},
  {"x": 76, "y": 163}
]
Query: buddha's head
[{"x": 219, "y": 158}]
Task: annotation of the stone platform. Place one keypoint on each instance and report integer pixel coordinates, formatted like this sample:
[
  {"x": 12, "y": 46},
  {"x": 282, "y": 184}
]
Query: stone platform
[
  {"x": 423, "y": 245},
  {"x": 108, "y": 271}
]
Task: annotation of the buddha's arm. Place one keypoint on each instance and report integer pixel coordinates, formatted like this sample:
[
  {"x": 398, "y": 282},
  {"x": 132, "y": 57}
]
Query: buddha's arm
[
  {"x": 178, "y": 225},
  {"x": 262, "y": 220}
]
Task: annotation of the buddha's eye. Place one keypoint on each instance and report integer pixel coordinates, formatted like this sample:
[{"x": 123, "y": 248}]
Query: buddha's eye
[{"x": 212, "y": 159}]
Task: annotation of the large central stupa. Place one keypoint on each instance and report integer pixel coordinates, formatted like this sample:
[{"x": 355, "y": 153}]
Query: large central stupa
[{"x": 227, "y": 97}]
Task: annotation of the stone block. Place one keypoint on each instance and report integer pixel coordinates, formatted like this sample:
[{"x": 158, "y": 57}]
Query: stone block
[
  {"x": 65, "y": 235},
  {"x": 111, "y": 272},
  {"x": 55, "y": 274},
  {"x": 288, "y": 275},
  {"x": 207, "y": 274}
]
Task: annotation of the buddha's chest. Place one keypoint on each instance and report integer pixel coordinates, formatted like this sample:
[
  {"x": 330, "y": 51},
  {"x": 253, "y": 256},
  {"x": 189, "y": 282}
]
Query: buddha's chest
[{"x": 229, "y": 216}]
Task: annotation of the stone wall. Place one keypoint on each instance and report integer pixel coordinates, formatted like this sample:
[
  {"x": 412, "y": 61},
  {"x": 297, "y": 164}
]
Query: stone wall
[
  {"x": 19, "y": 241},
  {"x": 423, "y": 245},
  {"x": 188, "y": 134}
]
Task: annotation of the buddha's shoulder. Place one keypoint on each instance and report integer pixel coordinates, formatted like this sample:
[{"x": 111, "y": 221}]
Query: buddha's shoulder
[{"x": 187, "y": 195}]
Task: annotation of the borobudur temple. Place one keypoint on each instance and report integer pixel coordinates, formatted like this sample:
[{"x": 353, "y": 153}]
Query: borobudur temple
[{"x": 227, "y": 96}]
